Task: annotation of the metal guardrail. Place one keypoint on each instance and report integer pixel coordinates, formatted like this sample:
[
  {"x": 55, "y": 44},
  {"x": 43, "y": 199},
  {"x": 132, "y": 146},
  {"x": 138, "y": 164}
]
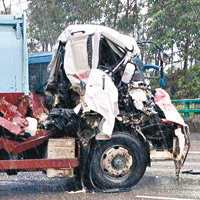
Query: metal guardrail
[{"x": 187, "y": 109}]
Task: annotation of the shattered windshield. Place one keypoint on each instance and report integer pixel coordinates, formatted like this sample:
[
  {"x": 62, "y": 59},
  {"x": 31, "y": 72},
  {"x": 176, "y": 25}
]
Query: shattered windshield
[{"x": 110, "y": 54}]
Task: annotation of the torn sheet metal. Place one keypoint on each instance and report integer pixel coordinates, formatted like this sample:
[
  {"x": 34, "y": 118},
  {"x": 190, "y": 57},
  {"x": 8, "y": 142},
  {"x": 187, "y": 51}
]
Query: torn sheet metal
[
  {"x": 82, "y": 46},
  {"x": 77, "y": 60},
  {"x": 76, "y": 31},
  {"x": 163, "y": 101},
  {"x": 101, "y": 96},
  {"x": 17, "y": 119},
  {"x": 39, "y": 111},
  {"x": 139, "y": 97},
  {"x": 82, "y": 57},
  {"x": 12, "y": 120},
  {"x": 11, "y": 127},
  {"x": 181, "y": 140},
  {"x": 99, "y": 66}
]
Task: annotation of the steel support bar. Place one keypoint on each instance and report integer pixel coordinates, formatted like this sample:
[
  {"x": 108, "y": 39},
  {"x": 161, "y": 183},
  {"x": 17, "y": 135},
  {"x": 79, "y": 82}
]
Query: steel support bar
[
  {"x": 186, "y": 101},
  {"x": 190, "y": 111},
  {"x": 34, "y": 164},
  {"x": 187, "y": 110},
  {"x": 187, "y": 107}
]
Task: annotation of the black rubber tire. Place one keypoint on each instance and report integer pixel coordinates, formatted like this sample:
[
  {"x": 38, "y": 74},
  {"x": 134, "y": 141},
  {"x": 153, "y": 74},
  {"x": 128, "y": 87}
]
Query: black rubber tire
[{"x": 136, "y": 149}]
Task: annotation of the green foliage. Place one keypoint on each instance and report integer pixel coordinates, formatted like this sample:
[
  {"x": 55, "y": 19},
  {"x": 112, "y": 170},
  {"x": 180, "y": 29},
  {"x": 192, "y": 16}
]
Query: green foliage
[
  {"x": 173, "y": 24},
  {"x": 48, "y": 18},
  {"x": 184, "y": 84},
  {"x": 46, "y": 21},
  {"x": 176, "y": 23}
]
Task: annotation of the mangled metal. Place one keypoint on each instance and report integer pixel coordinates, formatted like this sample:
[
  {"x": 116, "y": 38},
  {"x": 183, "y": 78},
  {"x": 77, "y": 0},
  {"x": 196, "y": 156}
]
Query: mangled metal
[
  {"x": 101, "y": 66},
  {"x": 89, "y": 54},
  {"x": 100, "y": 95}
]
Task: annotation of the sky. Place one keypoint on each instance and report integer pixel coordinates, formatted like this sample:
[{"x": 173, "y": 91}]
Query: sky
[{"x": 17, "y": 6}]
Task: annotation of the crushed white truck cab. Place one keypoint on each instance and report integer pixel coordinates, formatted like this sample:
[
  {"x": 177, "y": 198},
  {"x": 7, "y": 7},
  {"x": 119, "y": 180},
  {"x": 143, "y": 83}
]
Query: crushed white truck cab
[{"x": 103, "y": 98}]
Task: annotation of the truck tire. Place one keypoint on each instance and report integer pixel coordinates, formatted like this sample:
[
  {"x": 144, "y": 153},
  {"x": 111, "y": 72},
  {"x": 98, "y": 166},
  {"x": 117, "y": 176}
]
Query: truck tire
[{"x": 117, "y": 164}]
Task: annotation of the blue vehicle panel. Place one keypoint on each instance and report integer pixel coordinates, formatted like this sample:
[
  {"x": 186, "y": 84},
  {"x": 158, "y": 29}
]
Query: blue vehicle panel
[{"x": 13, "y": 55}]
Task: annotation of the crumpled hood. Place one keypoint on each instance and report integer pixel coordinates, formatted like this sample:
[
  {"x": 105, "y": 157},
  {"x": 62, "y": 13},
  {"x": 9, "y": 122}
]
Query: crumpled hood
[{"x": 163, "y": 101}]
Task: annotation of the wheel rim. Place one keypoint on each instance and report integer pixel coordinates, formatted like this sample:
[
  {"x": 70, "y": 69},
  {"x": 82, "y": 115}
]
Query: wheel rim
[{"x": 116, "y": 162}]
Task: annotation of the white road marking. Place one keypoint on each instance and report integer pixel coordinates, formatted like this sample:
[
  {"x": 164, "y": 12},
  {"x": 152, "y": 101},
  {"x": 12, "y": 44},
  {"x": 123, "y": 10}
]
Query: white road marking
[
  {"x": 79, "y": 191},
  {"x": 162, "y": 198},
  {"x": 194, "y": 152}
]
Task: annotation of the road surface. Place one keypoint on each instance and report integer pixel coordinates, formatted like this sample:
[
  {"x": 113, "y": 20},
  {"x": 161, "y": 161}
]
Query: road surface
[{"x": 158, "y": 183}]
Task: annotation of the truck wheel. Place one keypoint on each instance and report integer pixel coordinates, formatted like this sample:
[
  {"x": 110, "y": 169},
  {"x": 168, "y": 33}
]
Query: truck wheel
[{"x": 118, "y": 163}]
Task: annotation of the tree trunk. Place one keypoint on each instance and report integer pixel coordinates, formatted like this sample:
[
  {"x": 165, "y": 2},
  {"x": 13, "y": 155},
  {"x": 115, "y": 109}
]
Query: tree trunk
[
  {"x": 186, "y": 54},
  {"x": 191, "y": 61},
  {"x": 4, "y": 6},
  {"x": 185, "y": 60},
  {"x": 6, "y": 10},
  {"x": 116, "y": 12},
  {"x": 127, "y": 9},
  {"x": 135, "y": 17},
  {"x": 172, "y": 60},
  {"x": 31, "y": 45},
  {"x": 46, "y": 46}
]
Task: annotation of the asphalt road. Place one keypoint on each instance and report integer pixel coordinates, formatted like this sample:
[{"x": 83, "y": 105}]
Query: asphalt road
[{"x": 159, "y": 183}]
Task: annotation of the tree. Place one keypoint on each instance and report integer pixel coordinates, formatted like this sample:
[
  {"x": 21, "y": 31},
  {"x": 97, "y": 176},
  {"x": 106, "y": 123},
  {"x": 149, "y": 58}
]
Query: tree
[
  {"x": 175, "y": 24},
  {"x": 180, "y": 86},
  {"x": 123, "y": 15},
  {"x": 82, "y": 11},
  {"x": 6, "y": 9},
  {"x": 48, "y": 18},
  {"x": 46, "y": 21}
]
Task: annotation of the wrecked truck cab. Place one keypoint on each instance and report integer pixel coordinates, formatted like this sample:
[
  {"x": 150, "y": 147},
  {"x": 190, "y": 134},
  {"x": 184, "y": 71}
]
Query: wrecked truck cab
[
  {"x": 121, "y": 125},
  {"x": 102, "y": 123},
  {"x": 94, "y": 55}
]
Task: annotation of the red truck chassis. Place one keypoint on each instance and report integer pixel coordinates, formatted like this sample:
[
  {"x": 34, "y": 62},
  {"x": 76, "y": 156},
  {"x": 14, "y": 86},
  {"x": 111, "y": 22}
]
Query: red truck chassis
[{"x": 14, "y": 108}]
